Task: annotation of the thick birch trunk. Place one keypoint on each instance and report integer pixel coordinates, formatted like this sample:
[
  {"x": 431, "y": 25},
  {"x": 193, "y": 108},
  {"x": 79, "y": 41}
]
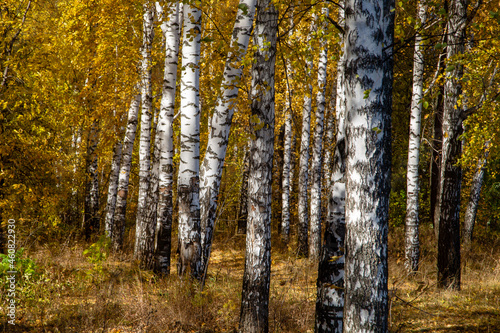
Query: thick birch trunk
[
  {"x": 113, "y": 190},
  {"x": 91, "y": 209},
  {"x": 220, "y": 125},
  {"x": 256, "y": 279},
  {"x": 475, "y": 191},
  {"x": 448, "y": 205},
  {"x": 330, "y": 284},
  {"x": 144, "y": 232},
  {"x": 123, "y": 178},
  {"x": 412, "y": 243},
  {"x": 171, "y": 31},
  {"x": 315, "y": 214},
  {"x": 368, "y": 50},
  {"x": 189, "y": 166}
]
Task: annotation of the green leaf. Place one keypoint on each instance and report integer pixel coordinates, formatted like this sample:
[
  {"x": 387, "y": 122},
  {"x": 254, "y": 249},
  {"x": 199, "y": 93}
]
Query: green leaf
[
  {"x": 367, "y": 93},
  {"x": 450, "y": 68},
  {"x": 376, "y": 130},
  {"x": 244, "y": 8},
  {"x": 425, "y": 104}
]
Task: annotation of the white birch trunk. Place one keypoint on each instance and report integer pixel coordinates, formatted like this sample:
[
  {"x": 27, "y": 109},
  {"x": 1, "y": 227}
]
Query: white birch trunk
[
  {"x": 316, "y": 164},
  {"x": 285, "y": 194},
  {"x": 124, "y": 175},
  {"x": 368, "y": 78},
  {"x": 475, "y": 191},
  {"x": 189, "y": 166},
  {"x": 330, "y": 285},
  {"x": 144, "y": 232},
  {"x": 113, "y": 190},
  {"x": 412, "y": 243},
  {"x": 256, "y": 279},
  {"x": 171, "y": 31},
  {"x": 91, "y": 208},
  {"x": 220, "y": 125},
  {"x": 303, "y": 213}
]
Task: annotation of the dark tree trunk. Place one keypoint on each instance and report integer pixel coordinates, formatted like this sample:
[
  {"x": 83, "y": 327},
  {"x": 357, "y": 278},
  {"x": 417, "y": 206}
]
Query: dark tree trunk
[
  {"x": 243, "y": 210},
  {"x": 91, "y": 209}
]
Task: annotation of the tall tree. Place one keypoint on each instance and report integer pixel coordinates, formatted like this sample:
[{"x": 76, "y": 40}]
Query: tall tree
[
  {"x": 317, "y": 158},
  {"x": 330, "y": 284},
  {"x": 124, "y": 175},
  {"x": 256, "y": 278},
  {"x": 144, "y": 231},
  {"x": 304, "y": 160},
  {"x": 188, "y": 181},
  {"x": 448, "y": 205},
  {"x": 368, "y": 77},
  {"x": 171, "y": 30},
  {"x": 243, "y": 206},
  {"x": 220, "y": 124},
  {"x": 113, "y": 189},
  {"x": 412, "y": 243},
  {"x": 91, "y": 207}
]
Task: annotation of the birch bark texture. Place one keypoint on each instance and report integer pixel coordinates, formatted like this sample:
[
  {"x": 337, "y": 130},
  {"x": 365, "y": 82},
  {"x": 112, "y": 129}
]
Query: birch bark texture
[
  {"x": 163, "y": 235},
  {"x": 448, "y": 205},
  {"x": 113, "y": 189},
  {"x": 317, "y": 158},
  {"x": 256, "y": 279},
  {"x": 188, "y": 181},
  {"x": 368, "y": 77},
  {"x": 412, "y": 243},
  {"x": 287, "y": 148},
  {"x": 330, "y": 283},
  {"x": 220, "y": 125},
  {"x": 475, "y": 191},
  {"x": 124, "y": 175},
  {"x": 144, "y": 231},
  {"x": 303, "y": 213}
]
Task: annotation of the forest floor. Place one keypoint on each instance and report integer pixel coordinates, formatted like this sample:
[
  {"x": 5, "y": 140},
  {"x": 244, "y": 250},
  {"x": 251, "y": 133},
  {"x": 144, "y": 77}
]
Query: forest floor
[{"x": 70, "y": 291}]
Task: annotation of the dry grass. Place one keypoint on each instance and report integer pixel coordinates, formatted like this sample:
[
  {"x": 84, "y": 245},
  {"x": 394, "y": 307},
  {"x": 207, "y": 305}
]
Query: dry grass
[{"x": 72, "y": 295}]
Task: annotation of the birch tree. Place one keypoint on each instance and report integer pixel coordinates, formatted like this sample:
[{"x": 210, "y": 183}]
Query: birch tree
[
  {"x": 368, "y": 78},
  {"x": 448, "y": 205},
  {"x": 144, "y": 231},
  {"x": 112, "y": 189},
  {"x": 304, "y": 163},
  {"x": 330, "y": 284},
  {"x": 171, "y": 31},
  {"x": 91, "y": 207},
  {"x": 317, "y": 158},
  {"x": 412, "y": 243},
  {"x": 189, "y": 166},
  {"x": 256, "y": 278},
  {"x": 118, "y": 231},
  {"x": 220, "y": 124},
  {"x": 243, "y": 207}
]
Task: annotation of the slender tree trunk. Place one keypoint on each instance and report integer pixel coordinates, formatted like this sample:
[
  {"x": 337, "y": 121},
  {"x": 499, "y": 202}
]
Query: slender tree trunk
[
  {"x": 475, "y": 191},
  {"x": 189, "y": 166},
  {"x": 123, "y": 177},
  {"x": 304, "y": 165},
  {"x": 285, "y": 194},
  {"x": 171, "y": 31},
  {"x": 412, "y": 243},
  {"x": 317, "y": 159},
  {"x": 448, "y": 205},
  {"x": 256, "y": 279},
  {"x": 368, "y": 50},
  {"x": 144, "y": 231},
  {"x": 329, "y": 142},
  {"x": 113, "y": 189},
  {"x": 243, "y": 209},
  {"x": 220, "y": 125},
  {"x": 330, "y": 284},
  {"x": 91, "y": 209}
]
